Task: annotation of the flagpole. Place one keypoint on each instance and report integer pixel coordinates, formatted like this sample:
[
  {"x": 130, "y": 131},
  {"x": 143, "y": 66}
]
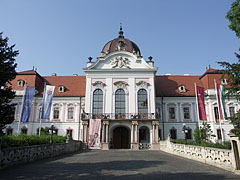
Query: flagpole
[
  {"x": 219, "y": 108},
  {"x": 24, "y": 92},
  {"x": 197, "y": 104},
  {"x": 40, "y": 123}
]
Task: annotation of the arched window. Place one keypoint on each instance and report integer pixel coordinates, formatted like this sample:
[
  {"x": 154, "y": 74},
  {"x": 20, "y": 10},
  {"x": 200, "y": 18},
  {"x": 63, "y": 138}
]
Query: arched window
[
  {"x": 97, "y": 102},
  {"x": 120, "y": 102},
  {"x": 142, "y": 102}
]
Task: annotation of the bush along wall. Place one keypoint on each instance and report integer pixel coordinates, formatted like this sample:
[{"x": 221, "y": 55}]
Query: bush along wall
[
  {"x": 224, "y": 145},
  {"x": 29, "y": 140}
]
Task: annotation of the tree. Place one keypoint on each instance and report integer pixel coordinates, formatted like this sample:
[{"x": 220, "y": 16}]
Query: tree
[
  {"x": 197, "y": 134},
  {"x": 233, "y": 15},
  {"x": 7, "y": 73},
  {"x": 233, "y": 70}
]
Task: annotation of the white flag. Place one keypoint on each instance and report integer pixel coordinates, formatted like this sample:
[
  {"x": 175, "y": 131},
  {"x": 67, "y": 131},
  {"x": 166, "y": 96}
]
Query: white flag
[{"x": 47, "y": 101}]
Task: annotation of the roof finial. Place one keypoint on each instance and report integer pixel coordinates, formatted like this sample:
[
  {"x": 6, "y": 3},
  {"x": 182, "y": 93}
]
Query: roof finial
[{"x": 121, "y": 32}]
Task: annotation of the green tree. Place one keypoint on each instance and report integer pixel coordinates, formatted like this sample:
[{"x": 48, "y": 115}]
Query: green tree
[
  {"x": 7, "y": 73},
  {"x": 206, "y": 132},
  {"x": 233, "y": 15},
  {"x": 197, "y": 134},
  {"x": 233, "y": 70}
]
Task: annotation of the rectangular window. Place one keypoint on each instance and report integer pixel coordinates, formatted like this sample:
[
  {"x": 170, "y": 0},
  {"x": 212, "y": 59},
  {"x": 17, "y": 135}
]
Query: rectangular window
[
  {"x": 216, "y": 114},
  {"x": 231, "y": 111},
  {"x": 172, "y": 113},
  {"x": 56, "y": 113},
  {"x": 70, "y": 113},
  {"x": 219, "y": 134},
  {"x": 186, "y": 112},
  {"x": 189, "y": 134},
  {"x": 173, "y": 133}
]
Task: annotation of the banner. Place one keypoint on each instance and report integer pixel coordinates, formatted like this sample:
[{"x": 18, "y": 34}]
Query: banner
[
  {"x": 27, "y": 104},
  {"x": 221, "y": 101},
  {"x": 201, "y": 104},
  {"x": 47, "y": 101},
  {"x": 94, "y": 133}
]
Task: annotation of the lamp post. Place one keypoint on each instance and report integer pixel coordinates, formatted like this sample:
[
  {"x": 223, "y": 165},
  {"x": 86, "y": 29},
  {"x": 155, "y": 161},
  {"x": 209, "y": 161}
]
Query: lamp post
[
  {"x": 51, "y": 131},
  {"x": 185, "y": 131}
]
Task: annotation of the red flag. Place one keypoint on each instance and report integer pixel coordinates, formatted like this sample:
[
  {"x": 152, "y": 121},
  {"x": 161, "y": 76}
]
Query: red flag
[{"x": 201, "y": 105}]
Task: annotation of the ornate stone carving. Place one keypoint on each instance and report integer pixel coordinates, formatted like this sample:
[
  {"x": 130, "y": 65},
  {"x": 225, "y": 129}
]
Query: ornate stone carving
[
  {"x": 120, "y": 62},
  {"x": 143, "y": 84},
  {"x": 99, "y": 84},
  {"x": 120, "y": 84}
]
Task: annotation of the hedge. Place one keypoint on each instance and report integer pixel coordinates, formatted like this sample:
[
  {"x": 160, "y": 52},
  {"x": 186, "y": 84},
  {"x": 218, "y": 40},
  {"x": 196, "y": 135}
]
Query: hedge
[
  {"x": 29, "y": 140},
  {"x": 224, "y": 145}
]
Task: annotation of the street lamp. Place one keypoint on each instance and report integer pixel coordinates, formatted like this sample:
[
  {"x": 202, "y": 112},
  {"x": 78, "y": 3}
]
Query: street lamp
[
  {"x": 185, "y": 131},
  {"x": 52, "y": 128}
]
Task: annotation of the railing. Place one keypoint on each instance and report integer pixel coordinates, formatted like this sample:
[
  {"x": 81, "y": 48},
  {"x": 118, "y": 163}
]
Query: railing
[{"x": 119, "y": 116}]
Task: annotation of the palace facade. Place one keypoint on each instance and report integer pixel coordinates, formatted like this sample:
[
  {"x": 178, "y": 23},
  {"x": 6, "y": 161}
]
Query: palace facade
[{"x": 137, "y": 107}]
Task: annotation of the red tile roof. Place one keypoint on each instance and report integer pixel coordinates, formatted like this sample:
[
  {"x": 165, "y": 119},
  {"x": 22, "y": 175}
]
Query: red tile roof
[
  {"x": 165, "y": 85},
  {"x": 168, "y": 85},
  {"x": 74, "y": 85}
]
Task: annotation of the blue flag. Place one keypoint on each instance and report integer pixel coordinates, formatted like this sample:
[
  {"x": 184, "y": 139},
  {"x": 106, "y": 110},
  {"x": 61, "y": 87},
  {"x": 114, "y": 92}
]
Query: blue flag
[
  {"x": 47, "y": 101},
  {"x": 27, "y": 104}
]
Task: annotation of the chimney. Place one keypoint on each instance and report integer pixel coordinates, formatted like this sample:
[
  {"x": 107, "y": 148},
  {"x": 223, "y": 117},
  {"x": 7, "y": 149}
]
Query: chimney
[
  {"x": 75, "y": 74},
  {"x": 54, "y": 74}
]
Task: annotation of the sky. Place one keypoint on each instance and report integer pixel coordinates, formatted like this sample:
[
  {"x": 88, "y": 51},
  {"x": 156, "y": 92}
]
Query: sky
[{"x": 58, "y": 36}]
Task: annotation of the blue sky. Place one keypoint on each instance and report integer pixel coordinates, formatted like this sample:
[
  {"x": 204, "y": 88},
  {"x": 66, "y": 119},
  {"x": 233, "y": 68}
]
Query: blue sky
[{"x": 57, "y": 36}]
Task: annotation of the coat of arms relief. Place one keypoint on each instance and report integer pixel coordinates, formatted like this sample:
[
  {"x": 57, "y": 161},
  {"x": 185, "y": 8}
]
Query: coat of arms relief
[{"x": 120, "y": 62}]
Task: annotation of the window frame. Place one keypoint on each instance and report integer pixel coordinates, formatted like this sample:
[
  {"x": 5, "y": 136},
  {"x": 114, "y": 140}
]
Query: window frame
[
  {"x": 141, "y": 99},
  {"x": 98, "y": 102}
]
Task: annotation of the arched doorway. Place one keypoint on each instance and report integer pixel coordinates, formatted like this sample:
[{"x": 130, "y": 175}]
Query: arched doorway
[
  {"x": 144, "y": 138},
  {"x": 121, "y": 138}
]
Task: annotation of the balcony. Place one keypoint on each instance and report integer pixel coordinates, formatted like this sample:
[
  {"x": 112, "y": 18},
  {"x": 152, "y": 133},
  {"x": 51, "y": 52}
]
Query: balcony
[{"x": 113, "y": 116}]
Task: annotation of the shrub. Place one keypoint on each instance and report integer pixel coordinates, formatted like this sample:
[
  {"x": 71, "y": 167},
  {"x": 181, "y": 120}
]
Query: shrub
[
  {"x": 29, "y": 140},
  {"x": 224, "y": 145}
]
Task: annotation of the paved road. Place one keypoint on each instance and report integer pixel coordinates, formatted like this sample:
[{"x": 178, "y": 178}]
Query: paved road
[{"x": 117, "y": 164}]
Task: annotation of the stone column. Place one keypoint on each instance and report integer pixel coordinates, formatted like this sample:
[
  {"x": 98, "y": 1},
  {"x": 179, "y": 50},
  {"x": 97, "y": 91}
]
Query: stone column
[
  {"x": 155, "y": 143},
  {"x": 156, "y": 132},
  {"x": 107, "y": 127},
  {"x": 85, "y": 127},
  {"x": 235, "y": 142},
  {"x": 135, "y": 145},
  {"x": 153, "y": 133},
  {"x": 103, "y": 132},
  {"x": 105, "y": 144},
  {"x": 132, "y": 134}
]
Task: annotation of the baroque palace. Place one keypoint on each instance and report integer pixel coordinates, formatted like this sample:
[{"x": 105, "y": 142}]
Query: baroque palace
[{"x": 137, "y": 108}]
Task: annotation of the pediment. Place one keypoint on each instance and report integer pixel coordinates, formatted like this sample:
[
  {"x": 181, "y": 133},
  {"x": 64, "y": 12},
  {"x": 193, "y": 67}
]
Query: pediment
[{"x": 119, "y": 61}]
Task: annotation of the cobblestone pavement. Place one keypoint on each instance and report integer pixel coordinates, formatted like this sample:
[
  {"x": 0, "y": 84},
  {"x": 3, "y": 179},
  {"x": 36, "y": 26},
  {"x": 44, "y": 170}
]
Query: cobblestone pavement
[{"x": 117, "y": 164}]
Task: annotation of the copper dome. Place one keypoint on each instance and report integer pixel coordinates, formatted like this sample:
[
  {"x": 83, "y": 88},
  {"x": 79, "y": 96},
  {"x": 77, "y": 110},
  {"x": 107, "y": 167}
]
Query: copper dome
[{"x": 120, "y": 44}]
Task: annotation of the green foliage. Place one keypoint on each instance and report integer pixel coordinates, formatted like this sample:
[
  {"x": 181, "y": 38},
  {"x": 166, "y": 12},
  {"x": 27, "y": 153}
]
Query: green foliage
[
  {"x": 29, "y": 140},
  {"x": 206, "y": 132},
  {"x": 7, "y": 73},
  {"x": 224, "y": 145},
  {"x": 233, "y": 15},
  {"x": 197, "y": 134},
  {"x": 236, "y": 124},
  {"x": 233, "y": 78},
  {"x": 232, "y": 72}
]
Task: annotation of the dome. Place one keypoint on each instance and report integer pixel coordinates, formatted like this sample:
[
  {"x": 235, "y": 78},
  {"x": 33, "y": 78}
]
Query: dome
[{"x": 120, "y": 44}]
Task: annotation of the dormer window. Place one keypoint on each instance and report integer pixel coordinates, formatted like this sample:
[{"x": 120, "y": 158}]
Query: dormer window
[
  {"x": 182, "y": 88},
  {"x": 21, "y": 83},
  {"x": 224, "y": 81},
  {"x": 61, "y": 89}
]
